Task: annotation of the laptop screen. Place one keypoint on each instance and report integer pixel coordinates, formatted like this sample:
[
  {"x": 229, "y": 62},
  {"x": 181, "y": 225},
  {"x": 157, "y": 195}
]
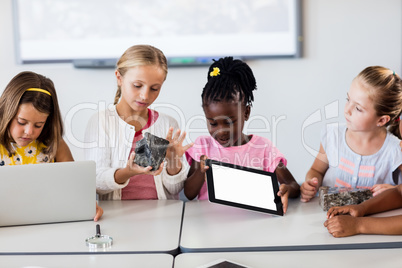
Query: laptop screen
[{"x": 47, "y": 193}]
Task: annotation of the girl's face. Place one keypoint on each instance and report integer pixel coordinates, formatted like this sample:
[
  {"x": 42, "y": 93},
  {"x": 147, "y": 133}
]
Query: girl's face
[
  {"x": 359, "y": 110},
  {"x": 27, "y": 124},
  {"x": 225, "y": 121},
  {"x": 140, "y": 86}
]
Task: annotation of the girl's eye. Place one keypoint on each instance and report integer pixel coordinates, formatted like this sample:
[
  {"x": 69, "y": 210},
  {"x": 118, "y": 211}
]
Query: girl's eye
[
  {"x": 213, "y": 124},
  {"x": 36, "y": 126},
  {"x": 20, "y": 123},
  {"x": 347, "y": 99},
  {"x": 154, "y": 89},
  {"x": 137, "y": 85},
  {"x": 358, "y": 109}
]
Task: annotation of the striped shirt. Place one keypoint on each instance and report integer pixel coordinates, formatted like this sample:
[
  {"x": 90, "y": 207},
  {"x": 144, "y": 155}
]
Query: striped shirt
[{"x": 349, "y": 169}]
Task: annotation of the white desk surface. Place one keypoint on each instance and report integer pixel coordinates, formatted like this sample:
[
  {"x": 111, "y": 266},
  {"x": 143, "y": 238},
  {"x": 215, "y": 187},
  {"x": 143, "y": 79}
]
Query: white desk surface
[
  {"x": 368, "y": 258},
  {"x": 87, "y": 261},
  {"x": 210, "y": 227},
  {"x": 138, "y": 226}
]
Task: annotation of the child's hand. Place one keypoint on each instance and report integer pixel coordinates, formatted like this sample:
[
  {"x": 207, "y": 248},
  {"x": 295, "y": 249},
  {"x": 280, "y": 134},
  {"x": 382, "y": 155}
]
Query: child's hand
[
  {"x": 284, "y": 194},
  {"x": 379, "y": 188},
  {"x": 99, "y": 213},
  {"x": 309, "y": 189},
  {"x": 175, "y": 150},
  {"x": 136, "y": 169},
  {"x": 352, "y": 210},
  {"x": 203, "y": 167},
  {"x": 343, "y": 225}
]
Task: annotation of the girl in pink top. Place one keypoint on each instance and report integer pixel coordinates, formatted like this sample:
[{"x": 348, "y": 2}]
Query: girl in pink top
[{"x": 226, "y": 100}]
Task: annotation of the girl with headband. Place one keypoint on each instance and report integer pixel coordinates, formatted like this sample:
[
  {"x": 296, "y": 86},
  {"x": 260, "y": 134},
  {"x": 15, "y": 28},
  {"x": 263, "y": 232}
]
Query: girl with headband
[{"x": 31, "y": 126}]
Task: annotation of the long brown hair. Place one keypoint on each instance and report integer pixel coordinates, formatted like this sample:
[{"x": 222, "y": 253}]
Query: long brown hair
[
  {"x": 16, "y": 94},
  {"x": 139, "y": 55}
]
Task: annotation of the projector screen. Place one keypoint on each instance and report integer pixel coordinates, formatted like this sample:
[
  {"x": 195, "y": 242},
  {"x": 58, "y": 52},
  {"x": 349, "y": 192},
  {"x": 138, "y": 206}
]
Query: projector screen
[{"x": 190, "y": 32}]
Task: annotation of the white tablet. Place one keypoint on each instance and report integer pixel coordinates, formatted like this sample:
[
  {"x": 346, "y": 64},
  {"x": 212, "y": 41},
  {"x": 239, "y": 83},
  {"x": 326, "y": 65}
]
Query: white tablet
[{"x": 243, "y": 187}]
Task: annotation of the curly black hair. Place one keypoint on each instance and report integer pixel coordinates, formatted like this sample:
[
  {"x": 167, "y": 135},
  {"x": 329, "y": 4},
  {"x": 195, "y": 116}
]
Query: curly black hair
[{"x": 229, "y": 80}]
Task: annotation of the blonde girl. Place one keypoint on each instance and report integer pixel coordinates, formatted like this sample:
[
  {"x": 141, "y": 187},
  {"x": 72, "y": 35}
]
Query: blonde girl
[
  {"x": 112, "y": 134},
  {"x": 362, "y": 153}
]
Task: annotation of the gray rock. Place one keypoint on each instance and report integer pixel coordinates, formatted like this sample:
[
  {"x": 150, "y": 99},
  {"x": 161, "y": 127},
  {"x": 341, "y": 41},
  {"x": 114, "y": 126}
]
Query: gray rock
[
  {"x": 341, "y": 196},
  {"x": 150, "y": 151}
]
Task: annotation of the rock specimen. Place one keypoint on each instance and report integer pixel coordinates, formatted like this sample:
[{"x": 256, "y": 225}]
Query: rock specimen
[
  {"x": 150, "y": 151},
  {"x": 341, "y": 196}
]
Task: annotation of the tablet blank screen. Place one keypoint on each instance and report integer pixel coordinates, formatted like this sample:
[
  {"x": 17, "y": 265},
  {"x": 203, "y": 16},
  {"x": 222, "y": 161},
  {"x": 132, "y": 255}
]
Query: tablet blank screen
[{"x": 243, "y": 187}]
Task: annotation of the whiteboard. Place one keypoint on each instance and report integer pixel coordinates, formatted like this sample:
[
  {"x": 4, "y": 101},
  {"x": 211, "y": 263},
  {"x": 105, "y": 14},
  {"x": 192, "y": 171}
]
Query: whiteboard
[{"x": 97, "y": 32}]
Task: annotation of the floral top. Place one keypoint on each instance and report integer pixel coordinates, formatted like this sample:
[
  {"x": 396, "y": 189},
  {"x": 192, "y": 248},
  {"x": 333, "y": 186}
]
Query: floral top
[{"x": 30, "y": 154}]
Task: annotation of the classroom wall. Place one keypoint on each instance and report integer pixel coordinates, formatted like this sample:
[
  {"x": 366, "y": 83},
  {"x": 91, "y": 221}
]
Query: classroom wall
[{"x": 295, "y": 97}]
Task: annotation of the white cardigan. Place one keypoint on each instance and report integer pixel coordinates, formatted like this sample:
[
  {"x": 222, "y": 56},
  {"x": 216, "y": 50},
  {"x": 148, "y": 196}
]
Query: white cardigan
[{"x": 108, "y": 141}]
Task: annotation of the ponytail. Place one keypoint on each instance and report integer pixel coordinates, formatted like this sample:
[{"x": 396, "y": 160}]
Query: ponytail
[{"x": 117, "y": 96}]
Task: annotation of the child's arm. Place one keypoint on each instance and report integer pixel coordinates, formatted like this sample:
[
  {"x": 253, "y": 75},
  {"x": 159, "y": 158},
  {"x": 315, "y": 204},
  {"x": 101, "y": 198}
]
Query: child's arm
[
  {"x": 379, "y": 188},
  {"x": 314, "y": 176},
  {"x": 387, "y": 200},
  {"x": 346, "y": 225},
  {"x": 289, "y": 187},
  {"x": 195, "y": 178},
  {"x": 63, "y": 153}
]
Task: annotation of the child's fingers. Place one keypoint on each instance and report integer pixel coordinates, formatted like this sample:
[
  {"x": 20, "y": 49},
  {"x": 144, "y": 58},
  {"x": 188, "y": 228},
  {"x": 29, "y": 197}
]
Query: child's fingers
[
  {"x": 307, "y": 191},
  {"x": 158, "y": 171},
  {"x": 379, "y": 188},
  {"x": 179, "y": 138},
  {"x": 285, "y": 207},
  {"x": 142, "y": 170},
  {"x": 307, "y": 195},
  {"x": 186, "y": 147},
  {"x": 176, "y": 136},
  {"x": 313, "y": 182},
  {"x": 169, "y": 134},
  {"x": 130, "y": 162},
  {"x": 332, "y": 212},
  {"x": 308, "y": 186},
  {"x": 99, "y": 213}
]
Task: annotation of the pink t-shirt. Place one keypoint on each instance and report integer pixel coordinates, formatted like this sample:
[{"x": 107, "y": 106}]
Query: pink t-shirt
[
  {"x": 258, "y": 153},
  {"x": 141, "y": 186}
]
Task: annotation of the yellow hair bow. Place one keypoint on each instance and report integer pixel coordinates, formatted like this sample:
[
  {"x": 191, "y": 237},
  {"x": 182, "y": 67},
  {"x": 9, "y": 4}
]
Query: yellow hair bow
[{"x": 215, "y": 72}]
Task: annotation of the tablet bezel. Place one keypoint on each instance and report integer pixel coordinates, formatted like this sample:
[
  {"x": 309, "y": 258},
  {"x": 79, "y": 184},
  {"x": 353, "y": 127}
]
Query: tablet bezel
[{"x": 213, "y": 199}]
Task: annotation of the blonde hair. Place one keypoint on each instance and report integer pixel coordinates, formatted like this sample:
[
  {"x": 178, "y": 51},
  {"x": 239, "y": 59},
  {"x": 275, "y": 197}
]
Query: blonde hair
[
  {"x": 139, "y": 55},
  {"x": 16, "y": 94},
  {"x": 385, "y": 89}
]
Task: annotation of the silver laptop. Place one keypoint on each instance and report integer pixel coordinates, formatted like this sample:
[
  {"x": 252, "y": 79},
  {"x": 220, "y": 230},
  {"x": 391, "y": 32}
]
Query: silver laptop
[{"x": 47, "y": 193}]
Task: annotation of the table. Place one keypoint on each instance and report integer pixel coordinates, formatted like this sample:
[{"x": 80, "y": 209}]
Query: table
[
  {"x": 210, "y": 227},
  {"x": 368, "y": 258},
  {"x": 136, "y": 226},
  {"x": 88, "y": 261}
]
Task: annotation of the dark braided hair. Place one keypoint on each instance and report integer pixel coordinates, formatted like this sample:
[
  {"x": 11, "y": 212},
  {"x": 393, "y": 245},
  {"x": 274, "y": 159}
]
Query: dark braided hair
[{"x": 229, "y": 80}]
